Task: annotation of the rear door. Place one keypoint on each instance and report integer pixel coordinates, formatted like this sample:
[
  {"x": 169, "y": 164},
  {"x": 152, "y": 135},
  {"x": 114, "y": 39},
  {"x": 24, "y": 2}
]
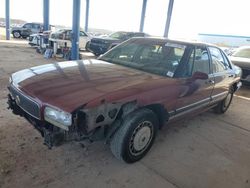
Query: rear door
[{"x": 222, "y": 72}]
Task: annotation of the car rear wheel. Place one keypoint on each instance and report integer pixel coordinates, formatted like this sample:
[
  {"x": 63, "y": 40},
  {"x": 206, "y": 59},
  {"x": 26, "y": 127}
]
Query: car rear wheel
[
  {"x": 16, "y": 34},
  {"x": 224, "y": 105},
  {"x": 135, "y": 137}
]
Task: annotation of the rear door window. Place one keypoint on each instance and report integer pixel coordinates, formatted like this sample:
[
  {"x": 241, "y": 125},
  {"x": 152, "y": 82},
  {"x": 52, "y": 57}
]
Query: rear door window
[
  {"x": 199, "y": 61},
  {"x": 28, "y": 26},
  {"x": 218, "y": 62}
]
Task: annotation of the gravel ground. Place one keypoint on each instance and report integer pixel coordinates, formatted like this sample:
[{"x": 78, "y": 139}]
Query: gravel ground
[{"x": 205, "y": 151}]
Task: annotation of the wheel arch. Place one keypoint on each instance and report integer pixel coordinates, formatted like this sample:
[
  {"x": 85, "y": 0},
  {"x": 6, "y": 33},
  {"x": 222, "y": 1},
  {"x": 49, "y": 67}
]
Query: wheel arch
[
  {"x": 161, "y": 113},
  {"x": 159, "y": 110}
]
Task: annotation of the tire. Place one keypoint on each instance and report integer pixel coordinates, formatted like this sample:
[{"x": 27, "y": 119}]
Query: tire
[
  {"x": 134, "y": 138},
  {"x": 16, "y": 34},
  {"x": 222, "y": 106},
  {"x": 87, "y": 46}
]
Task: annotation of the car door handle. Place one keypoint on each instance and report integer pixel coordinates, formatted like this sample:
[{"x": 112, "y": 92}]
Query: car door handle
[{"x": 230, "y": 76}]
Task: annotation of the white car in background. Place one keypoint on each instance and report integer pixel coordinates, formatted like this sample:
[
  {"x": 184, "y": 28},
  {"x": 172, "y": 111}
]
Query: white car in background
[
  {"x": 34, "y": 40},
  {"x": 63, "y": 38},
  {"x": 241, "y": 58}
]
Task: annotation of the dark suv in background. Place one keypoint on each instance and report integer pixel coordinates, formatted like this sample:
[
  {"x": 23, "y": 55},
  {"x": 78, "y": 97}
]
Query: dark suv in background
[
  {"x": 26, "y": 30},
  {"x": 100, "y": 45}
]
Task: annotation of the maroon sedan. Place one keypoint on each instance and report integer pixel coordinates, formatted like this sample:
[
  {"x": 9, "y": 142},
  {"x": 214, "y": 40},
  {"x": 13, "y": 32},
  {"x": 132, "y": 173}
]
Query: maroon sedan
[{"x": 126, "y": 95}]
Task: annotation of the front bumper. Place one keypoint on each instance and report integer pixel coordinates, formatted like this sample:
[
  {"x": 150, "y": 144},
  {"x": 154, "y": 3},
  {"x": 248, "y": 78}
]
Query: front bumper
[
  {"x": 97, "y": 48},
  {"x": 53, "y": 136}
]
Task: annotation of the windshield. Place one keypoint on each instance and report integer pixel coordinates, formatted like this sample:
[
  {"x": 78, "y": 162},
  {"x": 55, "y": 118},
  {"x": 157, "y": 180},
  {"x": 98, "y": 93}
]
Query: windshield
[
  {"x": 157, "y": 57},
  {"x": 245, "y": 53},
  {"x": 118, "y": 35}
]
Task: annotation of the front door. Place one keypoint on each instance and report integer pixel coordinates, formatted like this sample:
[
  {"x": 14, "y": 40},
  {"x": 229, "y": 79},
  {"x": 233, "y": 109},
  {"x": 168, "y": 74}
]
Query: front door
[{"x": 195, "y": 93}]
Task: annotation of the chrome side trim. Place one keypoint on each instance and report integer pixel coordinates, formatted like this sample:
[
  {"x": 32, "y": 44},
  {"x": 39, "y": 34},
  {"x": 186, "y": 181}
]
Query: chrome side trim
[
  {"x": 186, "y": 109},
  {"x": 179, "y": 110},
  {"x": 189, "y": 110},
  {"x": 194, "y": 106},
  {"x": 219, "y": 95}
]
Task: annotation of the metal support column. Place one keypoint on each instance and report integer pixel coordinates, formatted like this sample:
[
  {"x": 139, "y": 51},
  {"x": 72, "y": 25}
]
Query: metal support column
[
  {"x": 46, "y": 15},
  {"x": 7, "y": 19},
  {"x": 87, "y": 16},
  {"x": 75, "y": 29},
  {"x": 143, "y": 13},
  {"x": 170, "y": 10}
]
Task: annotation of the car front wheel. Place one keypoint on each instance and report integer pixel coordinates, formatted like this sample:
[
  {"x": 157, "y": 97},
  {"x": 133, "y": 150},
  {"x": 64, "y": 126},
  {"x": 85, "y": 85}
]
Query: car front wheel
[
  {"x": 16, "y": 34},
  {"x": 135, "y": 137},
  {"x": 224, "y": 105}
]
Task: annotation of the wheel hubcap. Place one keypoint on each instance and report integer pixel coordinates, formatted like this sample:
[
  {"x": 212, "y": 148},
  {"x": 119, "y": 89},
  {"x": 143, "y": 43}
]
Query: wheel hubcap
[
  {"x": 17, "y": 34},
  {"x": 141, "y": 138}
]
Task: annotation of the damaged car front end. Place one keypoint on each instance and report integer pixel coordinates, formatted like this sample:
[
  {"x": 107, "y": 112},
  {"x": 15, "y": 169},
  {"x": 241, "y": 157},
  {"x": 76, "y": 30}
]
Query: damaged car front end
[
  {"x": 57, "y": 126},
  {"x": 54, "y": 124}
]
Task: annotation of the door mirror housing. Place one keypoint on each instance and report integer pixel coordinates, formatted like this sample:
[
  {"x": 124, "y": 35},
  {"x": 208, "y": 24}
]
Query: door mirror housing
[{"x": 200, "y": 76}]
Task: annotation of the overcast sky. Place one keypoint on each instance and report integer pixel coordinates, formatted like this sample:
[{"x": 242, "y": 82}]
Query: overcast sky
[{"x": 189, "y": 16}]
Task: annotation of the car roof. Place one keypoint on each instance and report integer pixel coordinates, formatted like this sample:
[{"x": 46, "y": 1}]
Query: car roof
[{"x": 185, "y": 42}]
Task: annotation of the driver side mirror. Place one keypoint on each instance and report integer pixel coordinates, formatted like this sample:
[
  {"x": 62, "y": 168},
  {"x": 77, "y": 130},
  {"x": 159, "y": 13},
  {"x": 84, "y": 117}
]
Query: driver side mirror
[{"x": 200, "y": 76}]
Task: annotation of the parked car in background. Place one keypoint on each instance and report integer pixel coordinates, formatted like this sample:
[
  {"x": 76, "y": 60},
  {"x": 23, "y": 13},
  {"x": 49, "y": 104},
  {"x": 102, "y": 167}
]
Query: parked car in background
[
  {"x": 26, "y": 30},
  {"x": 34, "y": 39},
  {"x": 2, "y": 24},
  {"x": 126, "y": 95},
  {"x": 63, "y": 38},
  {"x": 241, "y": 58},
  {"x": 100, "y": 45}
]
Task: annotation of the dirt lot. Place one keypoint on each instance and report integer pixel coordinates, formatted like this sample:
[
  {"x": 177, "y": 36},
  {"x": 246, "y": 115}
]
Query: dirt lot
[{"x": 205, "y": 151}]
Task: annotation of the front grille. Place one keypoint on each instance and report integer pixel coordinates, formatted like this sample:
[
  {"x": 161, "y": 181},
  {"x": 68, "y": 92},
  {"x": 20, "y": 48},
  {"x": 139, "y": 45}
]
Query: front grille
[
  {"x": 95, "y": 40},
  {"x": 100, "y": 42},
  {"x": 24, "y": 102}
]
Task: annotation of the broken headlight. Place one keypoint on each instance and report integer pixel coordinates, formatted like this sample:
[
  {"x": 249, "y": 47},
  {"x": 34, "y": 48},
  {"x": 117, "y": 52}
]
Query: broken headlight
[{"x": 58, "y": 117}]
